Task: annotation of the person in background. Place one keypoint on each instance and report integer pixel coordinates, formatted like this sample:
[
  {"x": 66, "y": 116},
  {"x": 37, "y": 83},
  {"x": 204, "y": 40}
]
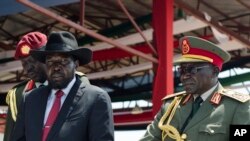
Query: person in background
[
  {"x": 205, "y": 110},
  {"x": 69, "y": 110},
  {"x": 33, "y": 69}
]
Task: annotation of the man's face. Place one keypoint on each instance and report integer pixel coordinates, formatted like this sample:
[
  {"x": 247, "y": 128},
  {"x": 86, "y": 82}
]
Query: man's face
[
  {"x": 60, "y": 70},
  {"x": 34, "y": 69},
  {"x": 197, "y": 78}
]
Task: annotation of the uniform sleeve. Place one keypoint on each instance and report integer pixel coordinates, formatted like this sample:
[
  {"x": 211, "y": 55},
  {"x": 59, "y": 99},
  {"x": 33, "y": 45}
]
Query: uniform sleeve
[
  {"x": 242, "y": 114},
  {"x": 19, "y": 129},
  {"x": 9, "y": 126},
  {"x": 101, "y": 125},
  {"x": 153, "y": 132},
  {"x": 14, "y": 100}
]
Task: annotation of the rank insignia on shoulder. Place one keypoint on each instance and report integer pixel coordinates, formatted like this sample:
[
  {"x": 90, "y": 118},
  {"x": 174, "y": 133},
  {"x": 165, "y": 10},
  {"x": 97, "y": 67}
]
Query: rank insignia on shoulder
[
  {"x": 174, "y": 95},
  {"x": 235, "y": 95}
]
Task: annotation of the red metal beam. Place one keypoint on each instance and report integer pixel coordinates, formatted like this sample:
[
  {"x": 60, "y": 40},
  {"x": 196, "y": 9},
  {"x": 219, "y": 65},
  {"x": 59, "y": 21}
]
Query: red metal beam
[
  {"x": 85, "y": 30},
  {"x": 163, "y": 39},
  {"x": 115, "y": 53}
]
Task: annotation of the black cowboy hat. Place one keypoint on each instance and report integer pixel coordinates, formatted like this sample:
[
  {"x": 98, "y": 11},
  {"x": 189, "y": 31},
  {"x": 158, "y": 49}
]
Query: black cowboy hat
[{"x": 65, "y": 43}]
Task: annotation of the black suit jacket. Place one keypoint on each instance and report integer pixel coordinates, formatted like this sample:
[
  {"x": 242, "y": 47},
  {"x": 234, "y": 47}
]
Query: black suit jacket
[{"x": 86, "y": 115}]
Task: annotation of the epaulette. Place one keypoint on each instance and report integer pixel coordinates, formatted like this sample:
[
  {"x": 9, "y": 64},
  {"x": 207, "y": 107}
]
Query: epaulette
[
  {"x": 80, "y": 73},
  {"x": 11, "y": 92},
  {"x": 173, "y": 95},
  {"x": 11, "y": 98},
  {"x": 235, "y": 95}
]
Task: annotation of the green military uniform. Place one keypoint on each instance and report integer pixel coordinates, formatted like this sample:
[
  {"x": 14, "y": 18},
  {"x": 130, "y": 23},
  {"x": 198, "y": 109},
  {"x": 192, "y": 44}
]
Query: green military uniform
[
  {"x": 219, "y": 110},
  {"x": 32, "y": 40},
  {"x": 15, "y": 97},
  {"x": 210, "y": 123}
]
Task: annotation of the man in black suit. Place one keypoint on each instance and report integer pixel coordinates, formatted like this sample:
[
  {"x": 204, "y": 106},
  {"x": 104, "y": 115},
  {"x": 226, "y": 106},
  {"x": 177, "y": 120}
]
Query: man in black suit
[{"x": 67, "y": 109}]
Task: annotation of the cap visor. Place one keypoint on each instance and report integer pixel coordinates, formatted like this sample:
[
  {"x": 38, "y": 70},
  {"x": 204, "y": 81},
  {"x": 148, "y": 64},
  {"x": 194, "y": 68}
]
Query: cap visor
[{"x": 187, "y": 60}]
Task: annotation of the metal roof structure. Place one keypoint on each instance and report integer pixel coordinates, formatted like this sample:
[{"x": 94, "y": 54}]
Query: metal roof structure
[{"x": 122, "y": 64}]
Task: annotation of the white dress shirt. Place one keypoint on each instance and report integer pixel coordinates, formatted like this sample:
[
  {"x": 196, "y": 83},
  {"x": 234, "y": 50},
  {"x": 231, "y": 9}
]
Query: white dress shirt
[
  {"x": 205, "y": 95},
  {"x": 52, "y": 98},
  {"x": 38, "y": 84}
]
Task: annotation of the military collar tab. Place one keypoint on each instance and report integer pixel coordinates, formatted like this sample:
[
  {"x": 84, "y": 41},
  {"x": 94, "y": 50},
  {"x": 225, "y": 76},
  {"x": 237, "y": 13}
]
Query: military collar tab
[
  {"x": 187, "y": 98},
  {"x": 30, "y": 85},
  {"x": 216, "y": 98}
]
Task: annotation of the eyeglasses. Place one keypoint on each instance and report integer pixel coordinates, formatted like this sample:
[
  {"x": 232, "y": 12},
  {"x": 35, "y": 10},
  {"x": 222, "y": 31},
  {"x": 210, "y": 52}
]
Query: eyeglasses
[{"x": 191, "y": 70}]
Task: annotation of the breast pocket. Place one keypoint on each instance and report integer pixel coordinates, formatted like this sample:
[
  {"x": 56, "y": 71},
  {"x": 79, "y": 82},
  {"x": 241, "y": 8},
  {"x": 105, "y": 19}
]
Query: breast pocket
[
  {"x": 213, "y": 132},
  {"x": 74, "y": 117}
]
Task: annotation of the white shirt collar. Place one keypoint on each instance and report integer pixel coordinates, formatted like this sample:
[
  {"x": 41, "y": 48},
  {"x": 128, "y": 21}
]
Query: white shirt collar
[
  {"x": 205, "y": 95},
  {"x": 38, "y": 84}
]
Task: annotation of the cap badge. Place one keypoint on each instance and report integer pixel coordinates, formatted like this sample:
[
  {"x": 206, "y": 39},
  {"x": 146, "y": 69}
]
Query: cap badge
[
  {"x": 25, "y": 49},
  {"x": 185, "y": 47}
]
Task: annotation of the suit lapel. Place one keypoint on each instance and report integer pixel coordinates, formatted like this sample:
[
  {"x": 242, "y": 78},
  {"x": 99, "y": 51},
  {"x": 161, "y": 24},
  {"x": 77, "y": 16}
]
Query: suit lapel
[{"x": 68, "y": 106}]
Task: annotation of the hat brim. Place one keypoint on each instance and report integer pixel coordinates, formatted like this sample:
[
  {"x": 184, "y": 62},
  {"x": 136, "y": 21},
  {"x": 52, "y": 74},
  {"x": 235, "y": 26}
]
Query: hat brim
[
  {"x": 84, "y": 55},
  {"x": 188, "y": 60}
]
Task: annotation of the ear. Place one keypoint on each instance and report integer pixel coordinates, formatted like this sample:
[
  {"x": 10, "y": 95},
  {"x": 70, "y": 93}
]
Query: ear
[
  {"x": 216, "y": 71},
  {"x": 76, "y": 64}
]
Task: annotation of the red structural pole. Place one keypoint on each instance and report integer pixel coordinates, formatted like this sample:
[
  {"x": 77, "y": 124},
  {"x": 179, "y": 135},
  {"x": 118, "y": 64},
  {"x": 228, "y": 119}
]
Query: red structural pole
[{"x": 163, "y": 40}]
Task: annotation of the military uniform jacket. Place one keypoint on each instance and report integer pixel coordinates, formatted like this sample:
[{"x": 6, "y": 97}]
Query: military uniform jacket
[
  {"x": 211, "y": 122},
  {"x": 14, "y": 99}
]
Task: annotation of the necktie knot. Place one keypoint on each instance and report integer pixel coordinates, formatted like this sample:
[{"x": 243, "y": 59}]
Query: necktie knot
[
  {"x": 196, "y": 105},
  {"x": 198, "y": 100},
  {"x": 59, "y": 94}
]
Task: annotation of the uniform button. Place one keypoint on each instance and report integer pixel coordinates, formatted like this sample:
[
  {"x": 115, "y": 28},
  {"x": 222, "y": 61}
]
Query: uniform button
[
  {"x": 184, "y": 136},
  {"x": 212, "y": 131}
]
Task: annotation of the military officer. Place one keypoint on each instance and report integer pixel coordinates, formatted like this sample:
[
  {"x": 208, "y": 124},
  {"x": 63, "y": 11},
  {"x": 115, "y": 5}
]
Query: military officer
[
  {"x": 35, "y": 72},
  {"x": 205, "y": 110}
]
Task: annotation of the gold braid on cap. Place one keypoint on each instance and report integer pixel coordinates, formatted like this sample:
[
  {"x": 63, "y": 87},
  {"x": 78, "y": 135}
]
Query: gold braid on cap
[
  {"x": 199, "y": 57},
  {"x": 167, "y": 129}
]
